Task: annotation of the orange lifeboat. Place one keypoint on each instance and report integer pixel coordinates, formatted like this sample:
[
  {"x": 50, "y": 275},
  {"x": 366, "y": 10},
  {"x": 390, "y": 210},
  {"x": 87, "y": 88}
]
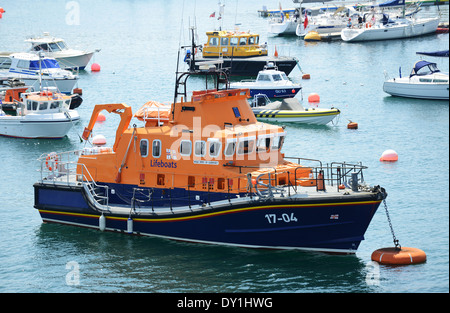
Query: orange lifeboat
[{"x": 153, "y": 112}]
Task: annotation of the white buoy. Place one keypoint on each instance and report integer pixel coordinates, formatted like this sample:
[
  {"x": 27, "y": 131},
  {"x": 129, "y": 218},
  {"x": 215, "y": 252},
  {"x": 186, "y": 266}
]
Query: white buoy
[
  {"x": 99, "y": 140},
  {"x": 102, "y": 222},
  {"x": 389, "y": 156},
  {"x": 130, "y": 225}
]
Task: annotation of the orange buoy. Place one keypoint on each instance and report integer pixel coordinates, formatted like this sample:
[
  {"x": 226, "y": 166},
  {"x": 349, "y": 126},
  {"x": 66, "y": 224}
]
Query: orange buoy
[
  {"x": 95, "y": 67},
  {"x": 306, "y": 76},
  {"x": 389, "y": 156},
  {"x": 396, "y": 256},
  {"x": 313, "y": 97},
  {"x": 352, "y": 125},
  {"x": 78, "y": 91},
  {"x": 276, "y": 52},
  {"x": 101, "y": 117}
]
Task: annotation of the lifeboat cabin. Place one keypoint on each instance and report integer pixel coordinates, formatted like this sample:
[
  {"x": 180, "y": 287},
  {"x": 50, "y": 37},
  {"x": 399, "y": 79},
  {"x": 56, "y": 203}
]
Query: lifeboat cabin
[{"x": 233, "y": 44}]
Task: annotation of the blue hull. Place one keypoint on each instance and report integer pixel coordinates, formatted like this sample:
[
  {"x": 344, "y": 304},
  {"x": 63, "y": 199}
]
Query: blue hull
[
  {"x": 338, "y": 225},
  {"x": 276, "y": 93}
]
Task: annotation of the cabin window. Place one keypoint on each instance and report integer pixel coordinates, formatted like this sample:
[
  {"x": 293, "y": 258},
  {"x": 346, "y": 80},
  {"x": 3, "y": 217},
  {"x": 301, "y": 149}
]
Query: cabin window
[
  {"x": 23, "y": 64},
  {"x": 200, "y": 148},
  {"x": 262, "y": 144},
  {"x": 156, "y": 148},
  {"x": 32, "y": 105},
  {"x": 54, "y": 105},
  {"x": 251, "y": 40},
  {"x": 236, "y": 112},
  {"x": 234, "y": 41},
  {"x": 213, "y": 41},
  {"x": 440, "y": 80},
  {"x": 277, "y": 142},
  {"x": 230, "y": 147},
  {"x": 277, "y": 77},
  {"x": 54, "y": 47},
  {"x": 43, "y": 106},
  {"x": 62, "y": 45},
  {"x": 246, "y": 146},
  {"x": 143, "y": 147},
  {"x": 214, "y": 148},
  {"x": 185, "y": 147},
  {"x": 243, "y": 41},
  {"x": 225, "y": 41},
  {"x": 284, "y": 76},
  {"x": 263, "y": 77}
]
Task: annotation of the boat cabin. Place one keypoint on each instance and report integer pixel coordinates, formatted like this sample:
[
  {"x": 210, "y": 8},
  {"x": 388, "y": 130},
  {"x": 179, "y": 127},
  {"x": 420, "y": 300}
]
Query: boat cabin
[
  {"x": 236, "y": 44},
  {"x": 424, "y": 68},
  {"x": 271, "y": 75},
  {"x": 44, "y": 102},
  {"x": 23, "y": 63},
  {"x": 47, "y": 43}
]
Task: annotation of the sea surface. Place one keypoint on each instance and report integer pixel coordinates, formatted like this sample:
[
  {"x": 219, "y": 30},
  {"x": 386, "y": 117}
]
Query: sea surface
[{"x": 139, "y": 42}]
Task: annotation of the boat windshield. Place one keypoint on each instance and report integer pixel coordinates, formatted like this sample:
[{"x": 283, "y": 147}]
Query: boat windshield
[
  {"x": 45, "y": 63},
  {"x": 277, "y": 77}
]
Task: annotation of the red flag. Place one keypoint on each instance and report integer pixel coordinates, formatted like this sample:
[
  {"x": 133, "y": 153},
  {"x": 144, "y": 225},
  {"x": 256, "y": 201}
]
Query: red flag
[
  {"x": 213, "y": 14},
  {"x": 305, "y": 23}
]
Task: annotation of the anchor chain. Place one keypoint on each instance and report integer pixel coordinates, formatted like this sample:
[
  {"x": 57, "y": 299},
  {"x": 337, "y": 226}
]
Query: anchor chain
[{"x": 396, "y": 242}]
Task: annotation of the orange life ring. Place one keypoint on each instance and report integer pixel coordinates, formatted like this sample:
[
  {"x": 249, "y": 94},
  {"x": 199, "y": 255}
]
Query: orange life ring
[
  {"x": 403, "y": 256},
  {"x": 51, "y": 161}
]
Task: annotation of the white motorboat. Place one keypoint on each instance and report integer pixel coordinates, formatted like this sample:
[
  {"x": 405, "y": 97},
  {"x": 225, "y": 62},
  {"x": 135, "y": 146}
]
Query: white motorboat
[
  {"x": 54, "y": 48},
  {"x": 30, "y": 67},
  {"x": 57, "y": 48},
  {"x": 290, "y": 111},
  {"x": 426, "y": 81},
  {"x": 271, "y": 82},
  {"x": 42, "y": 114},
  {"x": 381, "y": 27}
]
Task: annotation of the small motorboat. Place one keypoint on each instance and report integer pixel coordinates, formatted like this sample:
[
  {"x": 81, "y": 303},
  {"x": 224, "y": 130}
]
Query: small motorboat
[
  {"x": 426, "y": 81},
  {"x": 291, "y": 111},
  {"x": 30, "y": 67},
  {"x": 41, "y": 114},
  {"x": 271, "y": 82},
  {"x": 56, "y": 48}
]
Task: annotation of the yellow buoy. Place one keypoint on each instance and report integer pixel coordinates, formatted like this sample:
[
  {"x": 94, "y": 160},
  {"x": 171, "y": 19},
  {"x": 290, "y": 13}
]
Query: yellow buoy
[
  {"x": 399, "y": 256},
  {"x": 312, "y": 36}
]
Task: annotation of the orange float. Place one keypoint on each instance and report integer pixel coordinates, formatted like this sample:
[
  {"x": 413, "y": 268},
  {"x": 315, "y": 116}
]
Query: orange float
[
  {"x": 313, "y": 97},
  {"x": 399, "y": 256},
  {"x": 352, "y": 125}
]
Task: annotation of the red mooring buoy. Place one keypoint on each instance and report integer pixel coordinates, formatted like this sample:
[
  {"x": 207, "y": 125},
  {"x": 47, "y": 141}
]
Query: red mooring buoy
[{"x": 399, "y": 256}]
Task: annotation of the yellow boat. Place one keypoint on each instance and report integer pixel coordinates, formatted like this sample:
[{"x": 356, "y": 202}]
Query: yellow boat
[{"x": 233, "y": 44}]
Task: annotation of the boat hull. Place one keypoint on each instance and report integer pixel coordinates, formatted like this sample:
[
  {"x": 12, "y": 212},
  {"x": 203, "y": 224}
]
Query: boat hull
[
  {"x": 276, "y": 92},
  {"x": 79, "y": 61},
  {"x": 317, "y": 117},
  {"x": 419, "y": 28},
  {"x": 32, "y": 126},
  {"x": 336, "y": 224},
  {"x": 419, "y": 91},
  {"x": 252, "y": 65}
]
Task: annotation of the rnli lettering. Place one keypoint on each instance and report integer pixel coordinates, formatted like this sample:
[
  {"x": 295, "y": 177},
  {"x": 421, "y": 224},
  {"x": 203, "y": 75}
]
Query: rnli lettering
[{"x": 156, "y": 163}]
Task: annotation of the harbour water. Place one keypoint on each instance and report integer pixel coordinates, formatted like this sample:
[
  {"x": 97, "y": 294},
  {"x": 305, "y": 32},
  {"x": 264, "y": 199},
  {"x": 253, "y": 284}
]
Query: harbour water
[{"x": 139, "y": 43}]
